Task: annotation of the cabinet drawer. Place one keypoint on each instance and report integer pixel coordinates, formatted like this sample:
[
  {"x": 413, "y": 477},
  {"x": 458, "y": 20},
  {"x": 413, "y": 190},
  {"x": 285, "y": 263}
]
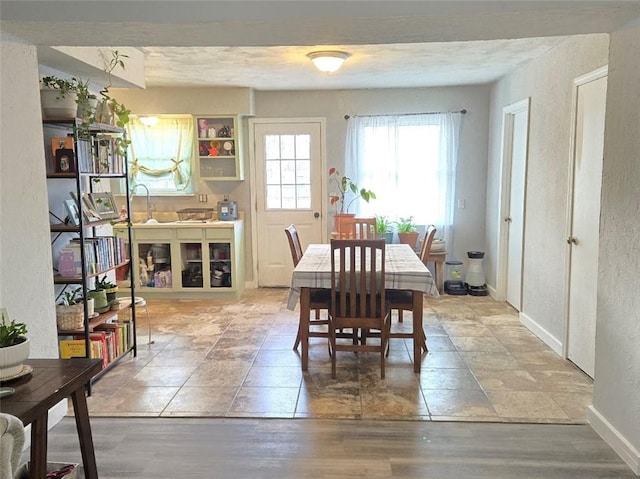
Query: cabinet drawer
[
  {"x": 153, "y": 234},
  {"x": 188, "y": 233},
  {"x": 219, "y": 233}
]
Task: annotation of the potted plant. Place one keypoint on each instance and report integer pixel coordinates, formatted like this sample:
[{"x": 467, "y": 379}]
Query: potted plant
[
  {"x": 14, "y": 346},
  {"x": 383, "y": 229},
  {"x": 86, "y": 101},
  {"x": 58, "y": 97},
  {"x": 110, "y": 288},
  {"x": 341, "y": 200},
  {"x": 407, "y": 231},
  {"x": 70, "y": 310},
  {"x": 109, "y": 110}
]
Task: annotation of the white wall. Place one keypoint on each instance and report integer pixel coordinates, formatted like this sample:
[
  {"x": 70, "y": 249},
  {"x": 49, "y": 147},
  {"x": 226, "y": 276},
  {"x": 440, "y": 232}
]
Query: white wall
[
  {"x": 334, "y": 105},
  {"x": 548, "y": 80},
  {"x": 616, "y": 402},
  {"x": 26, "y": 284}
]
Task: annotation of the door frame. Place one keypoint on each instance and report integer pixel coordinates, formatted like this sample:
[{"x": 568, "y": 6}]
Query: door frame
[
  {"x": 253, "y": 183},
  {"x": 577, "y": 83},
  {"x": 508, "y": 112}
]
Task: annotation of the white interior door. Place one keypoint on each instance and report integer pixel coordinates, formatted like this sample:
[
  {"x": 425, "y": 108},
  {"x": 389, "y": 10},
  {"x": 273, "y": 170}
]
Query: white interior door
[
  {"x": 289, "y": 188},
  {"x": 585, "y": 221},
  {"x": 515, "y": 138}
]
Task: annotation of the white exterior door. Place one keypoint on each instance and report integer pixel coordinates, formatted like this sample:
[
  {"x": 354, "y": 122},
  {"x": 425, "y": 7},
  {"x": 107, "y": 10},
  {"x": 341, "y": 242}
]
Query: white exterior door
[
  {"x": 515, "y": 141},
  {"x": 289, "y": 188},
  {"x": 583, "y": 238}
]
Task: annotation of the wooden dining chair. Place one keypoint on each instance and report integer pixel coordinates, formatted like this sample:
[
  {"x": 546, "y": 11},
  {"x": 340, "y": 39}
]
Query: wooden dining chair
[
  {"x": 320, "y": 298},
  {"x": 358, "y": 298},
  {"x": 357, "y": 228},
  {"x": 401, "y": 300}
]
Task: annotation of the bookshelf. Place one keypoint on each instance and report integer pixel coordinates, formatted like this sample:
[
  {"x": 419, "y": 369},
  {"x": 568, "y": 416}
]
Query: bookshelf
[{"x": 81, "y": 162}]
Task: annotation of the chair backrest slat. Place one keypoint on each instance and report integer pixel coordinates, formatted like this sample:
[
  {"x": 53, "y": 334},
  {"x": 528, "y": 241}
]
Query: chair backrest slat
[
  {"x": 427, "y": 242},
  {"x": 357, "y": 228},
  {"x": 357, "y": 280},
  {"x": 294, "y": 244}
]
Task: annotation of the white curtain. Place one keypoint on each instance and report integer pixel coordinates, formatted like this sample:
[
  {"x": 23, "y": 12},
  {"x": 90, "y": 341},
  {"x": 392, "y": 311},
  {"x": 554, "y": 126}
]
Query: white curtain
[
  {"x": 409, "y": 162},
  {"x": 160, "y": 156}
]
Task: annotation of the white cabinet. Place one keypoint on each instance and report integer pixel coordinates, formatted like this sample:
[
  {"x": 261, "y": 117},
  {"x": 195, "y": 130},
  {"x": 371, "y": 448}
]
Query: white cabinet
[
  {"x": 189, "y": 259},
  {"x": 219, "y": 148}
]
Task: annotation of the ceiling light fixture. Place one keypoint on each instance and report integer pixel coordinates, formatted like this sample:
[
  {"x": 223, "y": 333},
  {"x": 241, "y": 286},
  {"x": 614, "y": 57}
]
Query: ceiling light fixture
[
  {"x": 149, "y": 121},
  {"x": 328, "y": 61}
]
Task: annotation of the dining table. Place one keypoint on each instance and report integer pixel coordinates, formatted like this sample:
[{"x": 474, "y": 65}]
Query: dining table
[{"x": 403, "y": 271}]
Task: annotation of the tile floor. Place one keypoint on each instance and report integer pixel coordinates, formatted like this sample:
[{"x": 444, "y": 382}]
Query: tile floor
[{"x": 234, "y": 358}]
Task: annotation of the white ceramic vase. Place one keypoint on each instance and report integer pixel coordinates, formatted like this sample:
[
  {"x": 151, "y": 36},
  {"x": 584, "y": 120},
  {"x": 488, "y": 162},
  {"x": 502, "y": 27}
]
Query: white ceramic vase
[{"x": 12, "y": 357}]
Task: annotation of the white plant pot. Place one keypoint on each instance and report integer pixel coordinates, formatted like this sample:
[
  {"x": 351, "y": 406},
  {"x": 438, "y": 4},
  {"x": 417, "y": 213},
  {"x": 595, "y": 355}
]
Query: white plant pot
[
  {"x": 12, "y": 359},
  {"x": 87, "y": 108},
  {"x": 56, "y": 106}
]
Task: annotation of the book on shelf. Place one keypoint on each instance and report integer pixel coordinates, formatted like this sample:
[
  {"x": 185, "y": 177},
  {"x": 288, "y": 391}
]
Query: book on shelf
[
  {"x": 72, "y": 348},
  {"x": 114, "y": 344}
]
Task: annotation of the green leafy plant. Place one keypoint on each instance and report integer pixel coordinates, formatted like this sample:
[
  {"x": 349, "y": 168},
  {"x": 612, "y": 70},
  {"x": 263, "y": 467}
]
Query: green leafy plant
[
  {"x": 63, "y": 86},
  {"x": 406, "y": 225},
  {"x": 11, "y": 333},
  {"x": 104, "y": 283},
  {"x": 345, "y": 186},
  {"x": 121, "y": 112},
  {"x": 383, "y": 224},
  {"x": 69, "y": 298}
]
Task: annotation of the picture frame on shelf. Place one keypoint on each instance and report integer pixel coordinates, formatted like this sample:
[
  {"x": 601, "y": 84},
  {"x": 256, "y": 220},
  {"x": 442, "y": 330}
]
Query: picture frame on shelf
[
  {"x": 72, "y": 212},
  {"x": 104, "y": 205},
  {"x": 88, "y": 212},
  {"x": 63, "y": 154}
]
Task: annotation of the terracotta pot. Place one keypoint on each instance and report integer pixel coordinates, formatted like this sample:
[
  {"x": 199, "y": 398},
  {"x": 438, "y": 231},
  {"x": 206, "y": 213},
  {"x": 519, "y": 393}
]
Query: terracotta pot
[
  {"x": 409, "y": 238},
  {"x": 337, "y": 220},
  {"x": 12, "y": 357}
]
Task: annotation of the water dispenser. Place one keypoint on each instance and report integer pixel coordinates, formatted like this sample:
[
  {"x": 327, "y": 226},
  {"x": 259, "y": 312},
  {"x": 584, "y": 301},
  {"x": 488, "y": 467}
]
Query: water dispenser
[
  {"x": 453, "y": 283},
  {"x": 475, "y": 280}
]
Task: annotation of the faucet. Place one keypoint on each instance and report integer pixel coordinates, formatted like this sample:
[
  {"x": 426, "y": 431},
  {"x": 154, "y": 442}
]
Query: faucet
[{"x": 149, "y": 217}]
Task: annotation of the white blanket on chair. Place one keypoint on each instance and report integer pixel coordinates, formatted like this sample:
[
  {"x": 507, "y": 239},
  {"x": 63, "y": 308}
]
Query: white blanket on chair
[{"x": 11, "y": 444}]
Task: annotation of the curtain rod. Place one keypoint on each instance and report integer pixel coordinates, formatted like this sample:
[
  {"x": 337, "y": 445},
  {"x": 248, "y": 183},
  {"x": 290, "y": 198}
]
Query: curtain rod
[{"x": 346, "y": 117}]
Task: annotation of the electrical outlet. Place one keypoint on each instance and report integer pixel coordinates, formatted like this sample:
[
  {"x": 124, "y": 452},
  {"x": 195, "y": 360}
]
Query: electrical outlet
[
  {"x": 202, "y": 198},
  {"x": 461, "y": 204}
]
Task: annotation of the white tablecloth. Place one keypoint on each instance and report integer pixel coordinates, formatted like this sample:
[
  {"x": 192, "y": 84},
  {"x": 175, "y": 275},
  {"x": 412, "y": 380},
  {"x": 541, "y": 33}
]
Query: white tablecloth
[{"x": 403, "y": 271}]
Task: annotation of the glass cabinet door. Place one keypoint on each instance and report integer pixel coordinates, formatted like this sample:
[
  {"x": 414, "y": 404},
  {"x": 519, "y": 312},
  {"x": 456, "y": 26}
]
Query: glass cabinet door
[
  {"x": 192, "y": 267},
  {"x": 154, "y": 265},
  {"x": 220, "y": 265}
]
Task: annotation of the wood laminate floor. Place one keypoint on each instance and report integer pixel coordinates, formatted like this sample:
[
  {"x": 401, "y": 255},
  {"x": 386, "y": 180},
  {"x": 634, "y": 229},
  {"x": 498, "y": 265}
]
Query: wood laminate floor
[
  {"x": 243, "y": 448},
  {"x": 234, "y": 358}
]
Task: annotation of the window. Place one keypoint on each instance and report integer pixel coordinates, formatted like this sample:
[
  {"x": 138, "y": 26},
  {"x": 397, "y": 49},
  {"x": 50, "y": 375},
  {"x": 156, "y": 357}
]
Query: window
[
  {"x": 288, "y": 171},
  {"x": 409, "y": 162},
  {"x": 161, "y": 156}
]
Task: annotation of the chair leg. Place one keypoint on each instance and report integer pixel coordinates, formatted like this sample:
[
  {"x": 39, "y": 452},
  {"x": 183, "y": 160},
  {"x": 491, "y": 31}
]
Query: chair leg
[
  {"x": 332, "y": 345},
  {"x": 400, "y": 319},
  {"x": 297, "y": 342},
  {"x": 142, "y": 303}
]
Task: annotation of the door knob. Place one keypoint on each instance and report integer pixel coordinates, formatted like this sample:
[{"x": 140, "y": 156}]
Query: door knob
[
  {"x": 316, "y": 215},
  {"x": 572, "y": 240},
  {"x": 507, "y": 219}
]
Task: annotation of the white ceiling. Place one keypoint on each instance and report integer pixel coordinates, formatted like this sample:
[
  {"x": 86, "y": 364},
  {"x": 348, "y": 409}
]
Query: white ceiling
[
  {"x": 263, "y": 44},
  {"x": 369, "y": 66}
]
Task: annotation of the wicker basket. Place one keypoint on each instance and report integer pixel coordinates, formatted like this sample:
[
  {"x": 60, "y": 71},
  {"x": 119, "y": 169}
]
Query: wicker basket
[{"x": 70, "y": 317}]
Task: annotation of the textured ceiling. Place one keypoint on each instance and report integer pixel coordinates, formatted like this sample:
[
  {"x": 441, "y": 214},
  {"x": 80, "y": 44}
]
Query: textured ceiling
[
  {"x": 370, "y": 66},
  {"x": 262, "y": 43}
]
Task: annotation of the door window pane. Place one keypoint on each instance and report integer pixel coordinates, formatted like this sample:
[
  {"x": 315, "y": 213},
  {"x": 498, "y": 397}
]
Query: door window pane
[{"x": 288, "y": 171}]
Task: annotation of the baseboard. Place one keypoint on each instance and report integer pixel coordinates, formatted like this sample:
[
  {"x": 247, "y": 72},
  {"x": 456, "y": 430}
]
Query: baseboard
[
  {"x": 542, "y": 333},
  {"x": 629, "y": 454},
  {"x": 492, "y": 292},
  {"x": 56, "y": 413}
]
